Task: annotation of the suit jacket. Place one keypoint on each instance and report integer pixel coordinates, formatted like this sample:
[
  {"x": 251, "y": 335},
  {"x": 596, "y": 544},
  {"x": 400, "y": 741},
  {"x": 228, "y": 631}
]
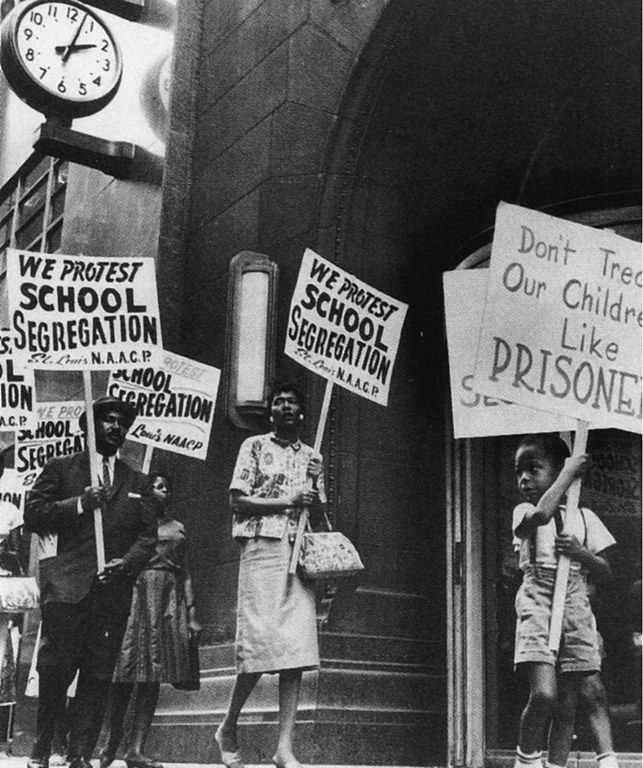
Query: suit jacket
[{"x": 129, "y": 526}]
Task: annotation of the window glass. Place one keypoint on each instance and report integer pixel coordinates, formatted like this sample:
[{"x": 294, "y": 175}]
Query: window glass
[{"x": 26, "y": 201}]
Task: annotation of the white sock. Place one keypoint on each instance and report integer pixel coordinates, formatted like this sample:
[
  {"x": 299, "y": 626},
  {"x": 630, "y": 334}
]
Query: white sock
[
  {"x": 528, "y": 760},
  {"x": 607, "y": 760}
]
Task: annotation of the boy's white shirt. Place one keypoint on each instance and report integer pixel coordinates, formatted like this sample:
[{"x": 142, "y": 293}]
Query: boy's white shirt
[{"x": 596, "y": 538}]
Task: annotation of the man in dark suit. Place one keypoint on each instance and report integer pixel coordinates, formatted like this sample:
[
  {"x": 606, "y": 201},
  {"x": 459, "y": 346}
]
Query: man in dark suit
[{"x": 84, "y": 613}]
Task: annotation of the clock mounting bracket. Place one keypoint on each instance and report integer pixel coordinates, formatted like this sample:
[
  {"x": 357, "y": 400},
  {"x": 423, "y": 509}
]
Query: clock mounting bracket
[
  {"x": 132, "y": 10},
  {"x": 55, "y": 137}
]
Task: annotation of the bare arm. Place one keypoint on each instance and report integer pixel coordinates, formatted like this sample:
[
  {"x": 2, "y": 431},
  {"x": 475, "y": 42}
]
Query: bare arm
[
  {"x": 254, "y": 505},
  {"x": 596, "y": 562},
  {"x": 574, "y": 467}
]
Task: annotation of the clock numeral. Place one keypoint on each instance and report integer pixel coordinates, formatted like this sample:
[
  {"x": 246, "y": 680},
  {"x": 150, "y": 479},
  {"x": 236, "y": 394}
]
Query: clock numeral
[
  {"x": 105, "y": 45},
  {"x": 91, "y": 25},
  {"x": 61, "y": 87},
  {"x": 53, "y": 11},
  {"x": 30, "y": 54},
  {"x": 36, "y": 17},
  {"x": 72, "y": 13},
  {"x": 107, "y": 66},
  {"x": 43, "y": 71},
  {"x": 28, "y": 33},
  {"x": 82, "y": 89}
]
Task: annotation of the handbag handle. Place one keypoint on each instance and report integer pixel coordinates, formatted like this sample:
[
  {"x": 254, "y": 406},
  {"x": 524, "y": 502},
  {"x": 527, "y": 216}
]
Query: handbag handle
[{"x": 309, "y": 528}]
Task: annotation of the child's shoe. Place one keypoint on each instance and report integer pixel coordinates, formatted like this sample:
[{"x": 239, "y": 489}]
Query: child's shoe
[
  {"x": 607, "y": 760},
  {"x": 524, "y": 760}
]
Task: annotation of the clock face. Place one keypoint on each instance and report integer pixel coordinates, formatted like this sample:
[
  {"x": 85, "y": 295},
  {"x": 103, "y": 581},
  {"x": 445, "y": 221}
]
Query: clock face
[{"x": 60, "y": 57}]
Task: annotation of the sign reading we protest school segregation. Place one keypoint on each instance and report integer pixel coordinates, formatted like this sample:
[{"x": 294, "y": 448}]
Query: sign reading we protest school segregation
[
  {"x": 344, "y": 330},
  {"x": 57, "y": 433},
  {"x": 476, "y": 415},
  {"x": 175, "y": 403},
  {"x": 562, "y": 321},
  {"x": 83, "y": 313}
]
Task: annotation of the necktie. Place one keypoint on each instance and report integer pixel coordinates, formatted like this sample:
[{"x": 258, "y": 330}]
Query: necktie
[{"x": 106, "y": 477}]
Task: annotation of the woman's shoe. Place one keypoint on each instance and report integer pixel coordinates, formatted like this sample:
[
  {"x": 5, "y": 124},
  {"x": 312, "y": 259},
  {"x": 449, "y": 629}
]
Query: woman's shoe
[
  {"x": 142, "y": 761},
  {"x": 229, "y": 759},
  {"x": 57, "y": 759},
  {"x": 294, "y": 763},
  {"x": 106, "y": 759}
]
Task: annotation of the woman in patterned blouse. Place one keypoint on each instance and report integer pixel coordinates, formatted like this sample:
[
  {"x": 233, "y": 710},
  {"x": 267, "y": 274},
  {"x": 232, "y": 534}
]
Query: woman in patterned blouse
[{"x": 275, "y": 477}]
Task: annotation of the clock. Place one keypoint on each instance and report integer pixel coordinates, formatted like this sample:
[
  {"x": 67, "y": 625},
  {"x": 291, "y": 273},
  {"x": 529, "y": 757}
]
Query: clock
[
  {"x": 155, "y": 95},
  {"x": 60, "y": 57}
]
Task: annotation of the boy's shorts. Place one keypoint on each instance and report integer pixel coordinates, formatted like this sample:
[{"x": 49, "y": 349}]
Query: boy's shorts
[{"x": 579, "y": 646}]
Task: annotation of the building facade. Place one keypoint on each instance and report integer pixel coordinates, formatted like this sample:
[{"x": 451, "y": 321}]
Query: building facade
[{"x": 381, "y": 134}]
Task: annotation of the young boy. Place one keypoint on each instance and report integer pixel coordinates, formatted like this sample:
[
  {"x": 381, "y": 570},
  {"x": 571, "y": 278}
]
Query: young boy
[{"x": 544, "y": 472}]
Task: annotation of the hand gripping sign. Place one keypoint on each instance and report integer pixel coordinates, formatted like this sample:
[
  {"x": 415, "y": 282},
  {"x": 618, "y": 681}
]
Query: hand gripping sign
[
  {"x": 561, "y": 331},
  {"x": 345, "y": 331}
]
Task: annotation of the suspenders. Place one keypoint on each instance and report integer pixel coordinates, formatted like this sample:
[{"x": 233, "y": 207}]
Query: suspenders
[{"x": 558, "y": 520}]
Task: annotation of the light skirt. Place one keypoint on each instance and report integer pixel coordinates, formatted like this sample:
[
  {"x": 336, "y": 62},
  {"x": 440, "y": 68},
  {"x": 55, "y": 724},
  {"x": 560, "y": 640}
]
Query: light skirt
[{"x": 276, "y": 615}]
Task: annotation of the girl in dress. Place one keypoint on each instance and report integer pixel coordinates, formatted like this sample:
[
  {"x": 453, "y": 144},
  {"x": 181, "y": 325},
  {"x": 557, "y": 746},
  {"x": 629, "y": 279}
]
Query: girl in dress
[{"x": 155, "y": 645}]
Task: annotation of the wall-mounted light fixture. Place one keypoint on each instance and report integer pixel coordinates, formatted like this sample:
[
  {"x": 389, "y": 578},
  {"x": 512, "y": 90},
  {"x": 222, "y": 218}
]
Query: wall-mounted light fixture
[{"x": 250, "y": 347}]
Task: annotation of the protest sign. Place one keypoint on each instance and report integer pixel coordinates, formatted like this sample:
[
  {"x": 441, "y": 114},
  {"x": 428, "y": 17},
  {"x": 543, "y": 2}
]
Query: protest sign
[
  {"x": 12, "y": 490},
  {"x": 57, "y": 433},
  {"x": 83, "y": 313},
  {"x": 175, "y": 403},
  {"x": 17, "y": 390},
  {"x": 476, "y": 415},
  {"x": 562, "y": 323},
  {"x": 344, "y": 330}
]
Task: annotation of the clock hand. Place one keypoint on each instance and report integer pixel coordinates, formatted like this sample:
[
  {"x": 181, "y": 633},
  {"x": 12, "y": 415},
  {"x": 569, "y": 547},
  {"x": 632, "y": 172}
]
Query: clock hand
[
  {"x": 74, "y": 48},
  {"x": 67, "y": 53}
]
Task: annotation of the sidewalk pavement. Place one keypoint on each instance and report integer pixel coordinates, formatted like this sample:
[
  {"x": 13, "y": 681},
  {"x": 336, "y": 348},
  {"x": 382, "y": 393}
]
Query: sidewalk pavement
[{"x": 21, "y": 762}]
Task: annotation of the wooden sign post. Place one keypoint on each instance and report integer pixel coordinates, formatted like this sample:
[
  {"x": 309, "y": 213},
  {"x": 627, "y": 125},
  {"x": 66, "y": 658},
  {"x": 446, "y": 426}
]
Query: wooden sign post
[
  {"x": 94, "y": 467},
  {"x": 562, "y": 572},
  {"x": 319, "y": 436}
]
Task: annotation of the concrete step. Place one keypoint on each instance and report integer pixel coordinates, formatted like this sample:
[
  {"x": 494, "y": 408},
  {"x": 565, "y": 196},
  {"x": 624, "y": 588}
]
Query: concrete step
[{"x": 348, "y": 648}]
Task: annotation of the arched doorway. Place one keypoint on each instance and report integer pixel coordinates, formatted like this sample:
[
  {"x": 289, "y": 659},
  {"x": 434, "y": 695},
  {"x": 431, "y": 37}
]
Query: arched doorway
[{"x": 452, "y": 109}]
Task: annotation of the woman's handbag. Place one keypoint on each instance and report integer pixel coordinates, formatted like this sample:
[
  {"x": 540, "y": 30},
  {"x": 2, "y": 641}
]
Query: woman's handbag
[
  {"x": 328, "y": 555},
  {"x": 193, "y": 680},
  {"x": 17, "y": 593}
]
